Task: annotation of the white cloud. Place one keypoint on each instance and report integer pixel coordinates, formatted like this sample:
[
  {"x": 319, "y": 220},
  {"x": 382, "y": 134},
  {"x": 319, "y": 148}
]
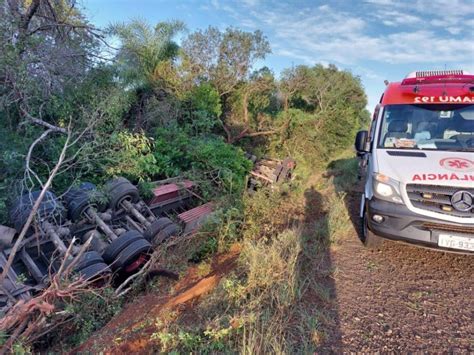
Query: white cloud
[
  {"x": 345, "y": 38},
  {"x": 397, "y": 18},
  {"x": 307, "y": 59},
  {"x": 248, "y": 23},
  {"x": 368, "y": 73},
  {"x": 380, "y": 2},
  {"x": 454, "y": 30}
]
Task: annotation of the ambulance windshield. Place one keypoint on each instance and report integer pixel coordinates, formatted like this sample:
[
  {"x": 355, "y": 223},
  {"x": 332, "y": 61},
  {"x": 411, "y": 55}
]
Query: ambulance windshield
[{"x": 428, "y": 127}]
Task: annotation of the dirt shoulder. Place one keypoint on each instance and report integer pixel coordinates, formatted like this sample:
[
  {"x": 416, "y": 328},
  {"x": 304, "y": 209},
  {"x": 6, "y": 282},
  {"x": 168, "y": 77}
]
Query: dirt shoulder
[{"x": 400, "y": 298}]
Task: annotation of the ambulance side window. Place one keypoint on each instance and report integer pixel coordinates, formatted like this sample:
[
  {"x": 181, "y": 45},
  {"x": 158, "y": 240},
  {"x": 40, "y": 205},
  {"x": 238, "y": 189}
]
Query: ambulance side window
[
  {"x": 373, "y": 125},
  {"x": 372, "y": 133}
]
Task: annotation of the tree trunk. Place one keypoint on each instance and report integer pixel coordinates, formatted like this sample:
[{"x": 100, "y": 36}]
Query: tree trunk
[
  {"x": 246, "y": 109},
  {"x": 24, "y": 23}
]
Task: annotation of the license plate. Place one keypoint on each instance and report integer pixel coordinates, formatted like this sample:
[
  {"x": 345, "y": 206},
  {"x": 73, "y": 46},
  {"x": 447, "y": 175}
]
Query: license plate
[{"x": 455, "y": 242}]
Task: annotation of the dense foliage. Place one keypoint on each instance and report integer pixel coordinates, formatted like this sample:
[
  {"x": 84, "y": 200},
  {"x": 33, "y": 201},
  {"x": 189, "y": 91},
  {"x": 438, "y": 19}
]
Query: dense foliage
[{"x": 151, "y": 109}]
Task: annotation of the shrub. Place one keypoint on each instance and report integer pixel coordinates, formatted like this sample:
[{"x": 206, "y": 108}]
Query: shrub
[
  {"x": 205, "y": 98},
  {"x": 91, "y": 312},
  {"x": 177, "y": 152},
  {"x": 224, "y": 161},
  {"x": 131, "y": 155}
]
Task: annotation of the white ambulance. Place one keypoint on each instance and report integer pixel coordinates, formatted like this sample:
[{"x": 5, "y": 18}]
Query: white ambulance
[{"x": 419, "y": 163}]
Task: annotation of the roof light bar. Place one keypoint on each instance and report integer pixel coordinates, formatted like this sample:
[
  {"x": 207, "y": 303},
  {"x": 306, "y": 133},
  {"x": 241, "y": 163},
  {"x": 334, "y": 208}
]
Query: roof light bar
[
  {"x": 438, "y": 76},
  {"x": 424, "y": 74}
]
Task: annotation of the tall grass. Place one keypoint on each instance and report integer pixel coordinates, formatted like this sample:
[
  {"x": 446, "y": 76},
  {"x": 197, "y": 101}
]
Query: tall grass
[{"x": 272, "y": 287}]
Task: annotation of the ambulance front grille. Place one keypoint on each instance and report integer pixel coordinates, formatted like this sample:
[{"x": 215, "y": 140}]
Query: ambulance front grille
[{"x": 437, "y": 199}]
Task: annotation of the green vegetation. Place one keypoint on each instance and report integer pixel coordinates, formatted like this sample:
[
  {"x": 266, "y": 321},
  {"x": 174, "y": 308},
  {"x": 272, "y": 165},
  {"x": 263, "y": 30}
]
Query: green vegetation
[
  {"x": 152, "y": 110},
  {"x": 277, "y": 299},
  {"x": 88, "y": 313}
]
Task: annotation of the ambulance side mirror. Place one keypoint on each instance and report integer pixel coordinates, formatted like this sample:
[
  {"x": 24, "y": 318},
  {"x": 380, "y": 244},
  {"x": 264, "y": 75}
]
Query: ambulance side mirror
[{"x": 360, "y": 141}]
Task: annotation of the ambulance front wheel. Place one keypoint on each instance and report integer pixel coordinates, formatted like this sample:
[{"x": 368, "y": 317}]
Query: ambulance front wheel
[{"x": 370, "y": 240}]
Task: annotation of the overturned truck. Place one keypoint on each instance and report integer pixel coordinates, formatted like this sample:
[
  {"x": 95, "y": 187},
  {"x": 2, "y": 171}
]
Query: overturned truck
[{"x": 116, "y": 227}]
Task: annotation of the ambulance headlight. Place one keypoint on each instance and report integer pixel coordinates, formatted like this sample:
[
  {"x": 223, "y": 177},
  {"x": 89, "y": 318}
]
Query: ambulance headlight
[{"x": 387, "y": 189}]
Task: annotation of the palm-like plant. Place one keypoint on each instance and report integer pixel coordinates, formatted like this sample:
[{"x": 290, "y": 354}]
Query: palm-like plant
[{"x": 143, "y": 48}]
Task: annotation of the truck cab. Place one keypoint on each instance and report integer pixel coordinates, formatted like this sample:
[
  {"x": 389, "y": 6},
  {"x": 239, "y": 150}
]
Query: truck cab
[{"x": 418, "y": 157}]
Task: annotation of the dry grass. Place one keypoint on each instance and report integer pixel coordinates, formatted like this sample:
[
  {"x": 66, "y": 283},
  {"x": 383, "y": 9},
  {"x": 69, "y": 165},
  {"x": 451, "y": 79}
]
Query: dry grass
[
  {"x": 338, "y": 219},
  {"x": 272, "y": 288}
]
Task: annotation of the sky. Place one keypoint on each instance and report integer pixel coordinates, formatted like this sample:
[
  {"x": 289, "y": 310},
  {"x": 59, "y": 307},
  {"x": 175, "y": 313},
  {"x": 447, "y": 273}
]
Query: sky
[{"x": 374, "y": 39}]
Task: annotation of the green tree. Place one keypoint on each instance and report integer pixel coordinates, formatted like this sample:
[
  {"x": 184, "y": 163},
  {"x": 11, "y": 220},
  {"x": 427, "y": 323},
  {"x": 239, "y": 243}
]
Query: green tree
[
  {"x": 323, "y": 108},
  {"x": 224, "y": 58},
  {"x": 249, "y": 103},
  {"x": 143, "y": 49},
  {"x": 145, "y": 62},
  {"x": 47, "y": 46}
]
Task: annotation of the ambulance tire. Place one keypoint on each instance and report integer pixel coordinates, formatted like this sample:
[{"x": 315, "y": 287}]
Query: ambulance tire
[{"x": 370, "y": 240}]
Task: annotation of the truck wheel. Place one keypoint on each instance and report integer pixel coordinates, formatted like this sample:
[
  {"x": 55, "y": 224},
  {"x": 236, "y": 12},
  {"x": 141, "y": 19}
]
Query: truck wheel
[
  {"x": 119, "y": 244},
  {"x": 79, "y": 199},
  {"x": 131, "y": 253},
  {"x": 121, "y": 189},
  {"x": 50, "y": 209},
  {"x": 370, "y": 240},
  {"x": 94, "y": 271},
  {"x": 166, "y": 233},
  {"x": 156, "y": 227},
  {"x": 89, "y": 258}
]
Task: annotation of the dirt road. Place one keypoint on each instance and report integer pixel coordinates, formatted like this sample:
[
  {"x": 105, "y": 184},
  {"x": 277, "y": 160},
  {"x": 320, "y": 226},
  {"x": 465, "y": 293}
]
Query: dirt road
[{"x": 401, "y": 298}]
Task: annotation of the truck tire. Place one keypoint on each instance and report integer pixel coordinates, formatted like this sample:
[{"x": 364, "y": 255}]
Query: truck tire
[
  {"x": 89, "y": 258},
  {"x": 156, "y": 227},
  {"x": 94, "y": 271},
  {"x": 131, "y": 253},
  {"x": 121, "y": 189},
  {"x": 370, "y": 240},
  {"x": 119, "y": 244},
  {"x": 79, "y": 199},
  {"x": 50, "y": 208},
  {"x": 166, "y": 233}
]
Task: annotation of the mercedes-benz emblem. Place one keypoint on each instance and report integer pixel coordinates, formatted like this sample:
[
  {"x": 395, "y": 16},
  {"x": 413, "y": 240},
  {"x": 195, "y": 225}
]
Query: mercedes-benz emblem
[{"x": 462, "y": 201}]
